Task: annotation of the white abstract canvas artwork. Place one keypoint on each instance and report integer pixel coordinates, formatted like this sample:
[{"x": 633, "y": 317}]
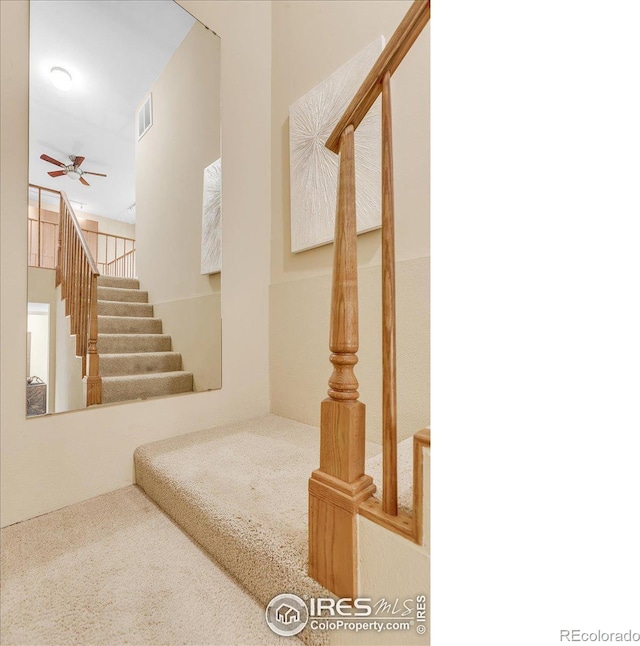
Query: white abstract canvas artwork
[
  {"x": 314, "y": 168},
  {"x": 211, "y": 253}
]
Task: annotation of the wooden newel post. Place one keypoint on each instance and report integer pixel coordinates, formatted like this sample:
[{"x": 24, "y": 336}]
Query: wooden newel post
[
  {"x": 339, "y": 486},
  {"x": 93, "y": 379}
]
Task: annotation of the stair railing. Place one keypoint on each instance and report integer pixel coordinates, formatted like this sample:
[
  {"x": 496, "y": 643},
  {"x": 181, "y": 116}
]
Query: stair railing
[
  {"x": 116, "y": 255},
  {"x": 77, "y": 274},
  {"x": 340, "y": 489}
]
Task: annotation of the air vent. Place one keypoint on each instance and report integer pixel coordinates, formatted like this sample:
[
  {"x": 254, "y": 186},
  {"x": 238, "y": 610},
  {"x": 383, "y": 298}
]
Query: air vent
[{"x": 145, "y": 117}]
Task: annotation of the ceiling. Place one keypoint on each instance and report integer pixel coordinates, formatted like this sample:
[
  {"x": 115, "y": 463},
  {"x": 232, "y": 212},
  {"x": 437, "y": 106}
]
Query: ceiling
[{"x": 114, "y": 51}]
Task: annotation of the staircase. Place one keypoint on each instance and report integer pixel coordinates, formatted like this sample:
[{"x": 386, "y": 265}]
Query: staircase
[{"x": 136, "y": 361}]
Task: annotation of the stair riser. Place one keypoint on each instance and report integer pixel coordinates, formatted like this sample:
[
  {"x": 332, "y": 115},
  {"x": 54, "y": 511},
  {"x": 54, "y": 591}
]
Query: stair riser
[
  {"x": 122, "y": 295},
  {"x": 114, "y": 281},
  {"x": 117, "y": 389},
  {"x": 119, "y": 343},
  {"x": 113, "y": 365},
  {"x": 128, "y": 325},
  {"x": 117, "y": 308}
]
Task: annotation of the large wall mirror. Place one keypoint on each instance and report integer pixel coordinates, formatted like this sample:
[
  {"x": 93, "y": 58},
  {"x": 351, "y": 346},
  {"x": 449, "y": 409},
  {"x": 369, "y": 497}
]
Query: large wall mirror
[{"x": 124, "y": 218}]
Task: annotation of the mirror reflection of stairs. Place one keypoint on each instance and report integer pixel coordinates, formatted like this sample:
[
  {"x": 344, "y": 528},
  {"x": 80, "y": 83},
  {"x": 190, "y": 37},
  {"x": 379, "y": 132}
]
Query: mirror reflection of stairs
[{"x": 136, "y": 359}]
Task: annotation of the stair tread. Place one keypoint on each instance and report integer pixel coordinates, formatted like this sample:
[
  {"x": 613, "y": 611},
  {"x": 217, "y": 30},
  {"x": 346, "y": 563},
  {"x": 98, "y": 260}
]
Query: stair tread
[
  {"x": 123, "y": 294},
  {"x": 118, "y": 281},
  {"x": 124, "y": 343},
  {"x": 152, "y": 353},
  {"x": 133, "y": 334},
  {"x": 135, "y": 318},
  {"x": 119, "y": 388},
  {"x": 241, "y": 492},
  {"x": 104, "y": 300},
  {"x": 149, "y": 375},
  {"x": 124, "y": 308}
]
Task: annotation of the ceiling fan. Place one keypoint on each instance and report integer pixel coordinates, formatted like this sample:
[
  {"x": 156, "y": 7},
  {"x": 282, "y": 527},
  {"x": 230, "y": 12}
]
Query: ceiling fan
[{"x": 71, "y": 170}]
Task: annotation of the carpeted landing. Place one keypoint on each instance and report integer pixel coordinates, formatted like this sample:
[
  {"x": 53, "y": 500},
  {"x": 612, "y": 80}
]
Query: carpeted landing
[
  {"x": 241, "y": 492},
  {"x": 116, "y": 570}
]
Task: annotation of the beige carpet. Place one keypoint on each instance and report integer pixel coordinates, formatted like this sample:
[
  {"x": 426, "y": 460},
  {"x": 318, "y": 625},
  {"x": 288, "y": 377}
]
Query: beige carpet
[
  {"x": 132, "y": 364},
  {"x": 241, "y": 492},
  {"x": 116, "y": 570}
]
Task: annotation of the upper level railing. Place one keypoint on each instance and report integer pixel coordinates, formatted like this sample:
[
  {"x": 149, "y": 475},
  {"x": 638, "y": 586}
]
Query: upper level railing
[
  {"x": 340, "y": 489},
  {"x": 77, "y": 274},
  {"x": 114, "y": 254}
]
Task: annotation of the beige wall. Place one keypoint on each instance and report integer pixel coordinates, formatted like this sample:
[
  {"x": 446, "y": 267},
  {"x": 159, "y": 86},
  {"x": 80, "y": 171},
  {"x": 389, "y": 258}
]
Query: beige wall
[
  {"x": 42, "y": 289},
  {"x": 107, "y": 225},
  {"x": 53, "y": 461},
  {"x": 195, "y": 326},
  {"x": 170, "y": 162},
  {"x": 70, "y": 393},
  {"x": 311, "y": 40}
]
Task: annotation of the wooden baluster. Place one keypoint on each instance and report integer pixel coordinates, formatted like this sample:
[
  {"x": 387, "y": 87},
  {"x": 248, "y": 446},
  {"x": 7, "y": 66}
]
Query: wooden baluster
[
  {"x": 74, "y": 284},
  {"x": 69, "y": 276},
  {"x": 93, "y": 380},
  {"x": 68, "y": 263},
  {"x": 84, "y": 310},
  {"x": 39, "y": 263},
  {"x": 63, "y": 249},
  {"x": 339, "y": 486},
  {"x": 59, "y": 257},
  {"x": 389, "y": 405}
]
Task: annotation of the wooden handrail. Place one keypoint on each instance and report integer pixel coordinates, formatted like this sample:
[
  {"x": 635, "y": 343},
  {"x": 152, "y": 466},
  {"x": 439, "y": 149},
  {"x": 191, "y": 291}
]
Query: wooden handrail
[
  {"x": 44, "y": 188},
  {"x": 400, "y": 43},
  {"x": 123, "y": 266},
  {"x": 339, "y": 489},
  {"x": 79, "y": 233},
  {"x": 120, "y": 257},
  {"x": 77, "y": 274}
]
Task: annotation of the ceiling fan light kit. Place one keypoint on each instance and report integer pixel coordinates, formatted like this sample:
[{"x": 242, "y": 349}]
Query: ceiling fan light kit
[{"x": 71, "y": 170}]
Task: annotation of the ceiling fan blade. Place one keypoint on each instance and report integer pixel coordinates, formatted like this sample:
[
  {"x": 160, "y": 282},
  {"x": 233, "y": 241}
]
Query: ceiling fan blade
[
  {"x": 51, "y": 160},
  {"x": 77, "y": 161},
  {"x": 57, "y": 173},
  {"x": 88, "y": 172},
  {"x": 84, "y": 181}
]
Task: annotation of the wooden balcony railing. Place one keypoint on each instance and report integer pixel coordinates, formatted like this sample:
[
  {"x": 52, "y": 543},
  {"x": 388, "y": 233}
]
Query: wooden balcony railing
[
  {"x": 124, "y": 265},
  {"x": 340, "y": 489},
  {"x": 114, "y": 255},
  {"x": 77, "y": 274}
]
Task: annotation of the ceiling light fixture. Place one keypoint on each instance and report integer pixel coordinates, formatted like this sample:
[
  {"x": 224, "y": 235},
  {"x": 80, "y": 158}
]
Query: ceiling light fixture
[{"x": 60, "y": 78}]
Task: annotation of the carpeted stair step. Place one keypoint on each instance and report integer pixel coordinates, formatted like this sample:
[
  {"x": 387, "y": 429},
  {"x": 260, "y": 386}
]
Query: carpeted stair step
[
  {"x": 120, "y": 294},
  {"x": 158, "y": 384},
  {"x": 116, "y": 281},
  {"x": 129, "y": 325},
  {"x": 241, "y": 492},
  {"x": 123, "y": 308},
  {"x": 123, "y": 343},
  {"x": 112, "y": 365}
]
